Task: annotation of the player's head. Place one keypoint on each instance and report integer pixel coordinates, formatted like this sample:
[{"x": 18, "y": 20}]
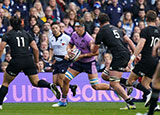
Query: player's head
[
  {"x": 103, "y": 18},
  {"x": 79, "y": 27},
  {"x": 55, "y": 28},
  {"x": 151, "y": 16},
  {"x": 15, "y": 22}
]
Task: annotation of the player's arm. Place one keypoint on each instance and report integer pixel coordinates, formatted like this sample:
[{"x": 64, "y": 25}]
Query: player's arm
[
  {"x": 35, "y": 51},
  {"x": 129, "y": 42},
  {"x": 94, "y": 47},
  {"x": 137, "y": 50},
  {"x": 96, "y": 51},
  {"x": 155, "y": 48},
  {"x": 2, "y": 46},
  {"x": 50, "y": 54}
]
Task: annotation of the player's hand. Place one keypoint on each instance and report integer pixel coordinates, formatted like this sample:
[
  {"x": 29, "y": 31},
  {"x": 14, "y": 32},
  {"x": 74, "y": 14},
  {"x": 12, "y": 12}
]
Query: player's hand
[
  {"x": 38, "y": 68},
  {"x": 66, "y": 57},
  {"x": 81, "y": 56},
  {"x": 129, "y": 67}
]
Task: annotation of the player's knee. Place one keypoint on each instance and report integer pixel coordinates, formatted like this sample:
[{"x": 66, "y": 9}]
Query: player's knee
[
  {"x": 104, "y": 77},
  {"x": 129, "y": 82}
]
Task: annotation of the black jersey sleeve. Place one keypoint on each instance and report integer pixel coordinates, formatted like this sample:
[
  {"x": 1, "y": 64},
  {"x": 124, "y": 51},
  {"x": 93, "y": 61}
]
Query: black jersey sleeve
[
  {"x": 30, "y": 38},
  {"x": 143, "y": 33},
  {"x": 99, "y": 38},
  {"x": 5, "y": 37}
]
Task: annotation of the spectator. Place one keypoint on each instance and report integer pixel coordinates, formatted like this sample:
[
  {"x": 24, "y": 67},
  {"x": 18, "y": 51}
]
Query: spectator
[
  {"x": 48, "y": 14},
  {"x": 41, "y": 66},
  {"x": 136, "y": 38},
  {"x": 47, "y": 30},
  {"x": 127, "y": 5},
  {"x": 33, "y": 12},
  {"x": 5, "y": 20},
  {"x": 141, "y": 25},
  {"x": 95, "y": 13},
  {"x": 3, "y": 28},
  {"x": 139, "y": 4},
  {"x": 43, "y": 47},
  {"x": 72, "y": 6},
  {"x": 88, "y": 22},
  {"x": 4, "y": 66},
  {"x": 1, "y": 4},
  {"x": 127, "y": 23},
  {"x": 57, "y": 13},
  {"x": 44, "y": 38},
  {"x": 83, "y": 5},
  {"x": 141, "y": 17},
  {"x": 157, "y": 9},
  {"x": 39, "y": 8},
  {"x": 72, "y": 16},
  {"x": 7, "y": 57},
  {"x": 114, "y": 11},
  {"x": 68, "y": 29},
  {"x": 8, "y": 7},
  {"x": 21, "y": 6},
  {"x": 36, "y": 33},
  {"x": 32, "y": 22},
  {"x": 47, "y": 62}
]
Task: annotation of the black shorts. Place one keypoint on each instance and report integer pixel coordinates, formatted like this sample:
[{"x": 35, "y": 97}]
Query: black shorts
[
  {"x": 145, "y": 67},
  {"x": 88, "y": 67},
  {"x": 61, "y": 67},
  {"x": 120, "y": 62},
  {"x": 25, "y": 64}
]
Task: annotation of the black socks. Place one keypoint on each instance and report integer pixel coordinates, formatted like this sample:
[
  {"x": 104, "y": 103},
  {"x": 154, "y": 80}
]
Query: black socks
[{"x": 3, "y": 92}]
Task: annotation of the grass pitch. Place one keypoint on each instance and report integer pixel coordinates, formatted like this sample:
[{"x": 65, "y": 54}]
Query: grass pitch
[{"x": 87, "y": 108}]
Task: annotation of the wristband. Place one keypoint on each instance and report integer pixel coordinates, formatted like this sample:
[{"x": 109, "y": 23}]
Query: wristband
[{"x": 133, "y": 57}]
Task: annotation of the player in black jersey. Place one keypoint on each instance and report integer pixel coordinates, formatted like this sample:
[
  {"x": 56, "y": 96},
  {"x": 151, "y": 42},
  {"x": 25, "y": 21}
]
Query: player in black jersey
[
  {"x": 115, "y": 40},
  {"x": 152, "y": 35},
  {"x": 22, "y": 60}
]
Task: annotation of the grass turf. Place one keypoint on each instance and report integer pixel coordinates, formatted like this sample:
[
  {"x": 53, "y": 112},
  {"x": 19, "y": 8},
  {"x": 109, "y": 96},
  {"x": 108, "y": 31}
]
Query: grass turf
[{"x": 89, "y": 108}]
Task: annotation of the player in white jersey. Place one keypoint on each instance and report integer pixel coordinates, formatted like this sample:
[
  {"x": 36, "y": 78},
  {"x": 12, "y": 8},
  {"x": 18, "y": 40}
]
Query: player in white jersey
[{"x": 58, "y": 48}]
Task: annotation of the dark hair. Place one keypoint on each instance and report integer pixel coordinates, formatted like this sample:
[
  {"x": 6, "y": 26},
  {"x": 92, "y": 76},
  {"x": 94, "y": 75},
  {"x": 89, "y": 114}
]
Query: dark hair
[
  {"x": 54, "y": 23},
  {"x": 103, "y": 18},
  {"x": 151, "y": 16},
  {"x": 15, "y": 22}
]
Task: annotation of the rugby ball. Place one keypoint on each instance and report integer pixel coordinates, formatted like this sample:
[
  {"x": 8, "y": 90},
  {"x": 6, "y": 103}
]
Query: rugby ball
[{"x": 74, "y": 54}]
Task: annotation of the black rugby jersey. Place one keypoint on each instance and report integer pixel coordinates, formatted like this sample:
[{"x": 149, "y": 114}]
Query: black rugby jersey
[
  {"x": 112, "y": 37},
  {"x": 152, "y": 35},
  {"x": 19, "y": 42}
]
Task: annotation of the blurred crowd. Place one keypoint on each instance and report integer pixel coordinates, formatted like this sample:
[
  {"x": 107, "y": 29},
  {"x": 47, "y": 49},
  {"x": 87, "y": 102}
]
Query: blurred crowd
[{"x": 38, "y": 15}]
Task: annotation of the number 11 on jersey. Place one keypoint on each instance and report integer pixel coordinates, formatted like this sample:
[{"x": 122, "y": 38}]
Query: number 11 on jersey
[{"x": 20, "y": 41}]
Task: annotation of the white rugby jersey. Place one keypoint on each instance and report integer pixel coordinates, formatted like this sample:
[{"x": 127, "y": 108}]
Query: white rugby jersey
[{"x": 59, "y": 45}]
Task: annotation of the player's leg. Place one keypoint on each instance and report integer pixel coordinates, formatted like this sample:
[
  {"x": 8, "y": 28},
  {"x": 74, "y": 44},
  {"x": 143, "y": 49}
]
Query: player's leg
[
  {"x": 7, "y": 79},
  {"x": 44, "y": 84},
  {"x": 69, "y": 75},
  {"x": 146, "y": 82},
  {"x": 120, "y": 90},
  {"x": 155, "y": 90},
  {"x": 93, "y": 78}
]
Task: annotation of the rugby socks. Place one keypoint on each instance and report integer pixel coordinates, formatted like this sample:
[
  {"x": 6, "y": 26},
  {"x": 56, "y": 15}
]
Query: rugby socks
[
  {"x": 43, "y": 83},
  {"x": 129, "y": 101},
  {"x": 139, "y": 86},
  {"x": 153, "y": 101},
  {"x": 64, "y": 98},
  {"x": 3, "y": 92}
]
